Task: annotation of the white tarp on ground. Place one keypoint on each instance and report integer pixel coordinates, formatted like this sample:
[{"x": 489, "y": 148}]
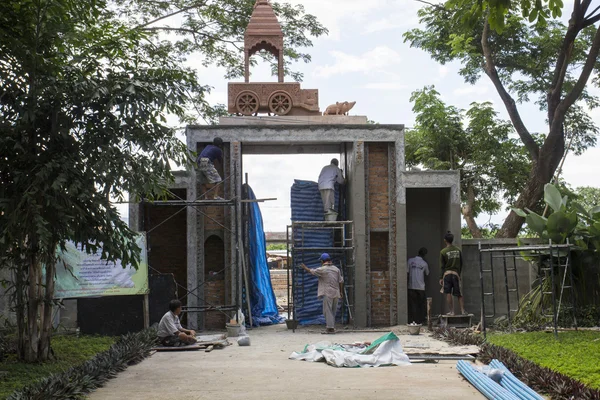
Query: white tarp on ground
[{"x": 385, "y": 351}]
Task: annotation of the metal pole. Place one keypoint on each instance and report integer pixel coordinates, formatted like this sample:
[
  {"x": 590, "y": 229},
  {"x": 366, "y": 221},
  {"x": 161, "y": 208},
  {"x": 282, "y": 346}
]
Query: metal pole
[
  {"x": 483, "y": 327},
  {"x": 287, "y": 248},
  {"x": 516, "y": 278},
  {"x": 573, "y": 295},
  {"x": 493, "y": 283},
  {"x": 554, "y": 316},
  {"x": 506, "y": 287}
]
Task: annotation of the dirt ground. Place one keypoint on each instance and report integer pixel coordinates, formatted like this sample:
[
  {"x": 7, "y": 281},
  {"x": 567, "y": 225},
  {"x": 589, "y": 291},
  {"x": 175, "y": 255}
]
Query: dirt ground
[{"x": 263, "y": 371}]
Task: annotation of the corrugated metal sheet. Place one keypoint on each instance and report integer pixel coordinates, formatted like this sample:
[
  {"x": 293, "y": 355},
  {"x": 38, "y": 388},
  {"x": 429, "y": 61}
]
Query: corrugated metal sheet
[{"x": 307, "y": 205}]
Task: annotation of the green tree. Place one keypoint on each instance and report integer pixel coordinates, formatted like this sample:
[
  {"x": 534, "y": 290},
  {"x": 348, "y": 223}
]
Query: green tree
[
  {"x": 492, "y": 165},
  {"x": 546, "y": 62},
  {"x": 84, "y": 95},
  {"x": 588, "y": 196}
]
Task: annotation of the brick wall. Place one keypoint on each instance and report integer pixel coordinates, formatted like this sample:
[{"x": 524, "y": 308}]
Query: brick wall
[
  {"x": 380, "y": 298},
  {"x": 378, "y": 171},
  {"x": 379, "y": 251},
  {"x": 214, "y": 294},
  {"x": 167, "y": 244},
  {"x": 214, "y": 256}
]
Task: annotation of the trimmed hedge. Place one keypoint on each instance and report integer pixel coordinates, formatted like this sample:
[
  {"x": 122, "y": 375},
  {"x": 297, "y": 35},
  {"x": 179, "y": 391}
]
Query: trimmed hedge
[
  {"x": 80, "y": 380},
  {"x": 541, "y": 379}
]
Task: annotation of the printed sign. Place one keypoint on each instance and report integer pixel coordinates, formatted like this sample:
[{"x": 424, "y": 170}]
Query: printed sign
[{"x": 79, "y": 274}]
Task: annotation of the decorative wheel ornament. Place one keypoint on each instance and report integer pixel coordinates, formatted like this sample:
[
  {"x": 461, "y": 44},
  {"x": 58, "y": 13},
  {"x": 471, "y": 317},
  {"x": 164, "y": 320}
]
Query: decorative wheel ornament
[
  {"x": 246, "y": 103},
  {"x": 280, "y": 103}
]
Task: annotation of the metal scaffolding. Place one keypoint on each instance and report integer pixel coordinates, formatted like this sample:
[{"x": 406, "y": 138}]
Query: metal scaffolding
[
  {"x": 206, "y": 306},
  {"x": 553, "y": 262},
  {"x": 342, "y": 238}
]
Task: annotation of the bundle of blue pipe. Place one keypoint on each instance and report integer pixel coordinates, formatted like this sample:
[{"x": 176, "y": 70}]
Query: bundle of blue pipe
[
  {"x": 262, "y": 297},
  {"x": 510, "y": 382},
  {"x": 307, "y": 205},
  {"x": 510, "y": 388}
]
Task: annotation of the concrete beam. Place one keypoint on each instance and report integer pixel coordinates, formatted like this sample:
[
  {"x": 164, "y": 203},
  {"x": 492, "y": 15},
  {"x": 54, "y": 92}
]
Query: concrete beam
[
  {"x": 291, "y": 134},
  {"x": 292, "y": 149}
]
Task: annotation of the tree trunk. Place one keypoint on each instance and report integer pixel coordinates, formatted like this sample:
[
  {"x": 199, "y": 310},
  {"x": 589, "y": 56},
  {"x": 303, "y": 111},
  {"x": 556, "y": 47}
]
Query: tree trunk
[
  {"x": 19, "y": 280},
  {"x": 46, "y": 322},
  {"x": 541, "y": 173},
  {"x": 30, "y": 352},
  {"x": 467, "y": 212}
]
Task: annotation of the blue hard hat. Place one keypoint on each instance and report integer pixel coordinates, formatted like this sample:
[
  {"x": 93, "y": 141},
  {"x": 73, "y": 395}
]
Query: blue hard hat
[{"x": 324, "y": 257}]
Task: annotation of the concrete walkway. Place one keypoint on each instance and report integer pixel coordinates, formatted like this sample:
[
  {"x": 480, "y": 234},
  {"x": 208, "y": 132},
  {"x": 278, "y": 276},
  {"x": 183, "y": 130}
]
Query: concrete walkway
[{"x": 263, "y": 371}]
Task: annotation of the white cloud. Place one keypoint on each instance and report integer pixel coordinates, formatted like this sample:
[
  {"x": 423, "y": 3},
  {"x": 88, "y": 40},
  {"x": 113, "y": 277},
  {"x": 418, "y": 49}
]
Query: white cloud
[
  {"x": 265, "y": 183},
  {"x": 336, "y": 15},
  {"x": 376, "y": 60},
  {"x": 386, "y": 24},
  {"x": 443, "y": 71},
  {"x": 385, "y": 86}
]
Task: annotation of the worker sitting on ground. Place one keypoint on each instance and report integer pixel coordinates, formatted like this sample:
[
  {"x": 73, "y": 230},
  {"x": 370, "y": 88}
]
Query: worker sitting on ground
[
  {"x": 329, "y": 175},
  {"x": 330, "y": 288},
  {"x": 451, "y": 268},
  {"x": 209, "y": 176},
  {"x": 417, "y": 269},
  {"x": 170, "y": 331}
]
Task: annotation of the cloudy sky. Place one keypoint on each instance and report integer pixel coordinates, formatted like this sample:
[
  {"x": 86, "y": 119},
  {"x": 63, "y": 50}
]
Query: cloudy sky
[{"x": 365, "y": 59}]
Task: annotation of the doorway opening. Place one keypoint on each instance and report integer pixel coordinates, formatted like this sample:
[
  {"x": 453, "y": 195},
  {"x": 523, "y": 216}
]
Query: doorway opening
[{"x": 427, "y": 220}]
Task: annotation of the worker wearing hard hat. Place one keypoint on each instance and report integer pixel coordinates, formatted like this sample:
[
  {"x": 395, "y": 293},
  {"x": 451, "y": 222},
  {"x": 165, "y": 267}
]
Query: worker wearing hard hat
[{"x": 330, "y": 288}]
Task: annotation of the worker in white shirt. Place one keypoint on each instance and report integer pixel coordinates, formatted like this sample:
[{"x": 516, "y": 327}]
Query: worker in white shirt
[
  {"x": 329, "y": 175},
  {"x": 417, "y": 300}
]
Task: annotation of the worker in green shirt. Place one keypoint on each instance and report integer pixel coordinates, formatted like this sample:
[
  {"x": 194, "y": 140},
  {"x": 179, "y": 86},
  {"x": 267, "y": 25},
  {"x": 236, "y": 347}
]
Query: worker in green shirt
[{"x": 450, "y": 269}]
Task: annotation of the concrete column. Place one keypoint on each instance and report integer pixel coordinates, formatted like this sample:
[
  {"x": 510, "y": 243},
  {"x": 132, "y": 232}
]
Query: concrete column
[
  {"x": 358, "y": 212},
  {"x": 235, "y": 185},
  {"x": 195, "y": 253},
  {"x": 401, "y": 243}
]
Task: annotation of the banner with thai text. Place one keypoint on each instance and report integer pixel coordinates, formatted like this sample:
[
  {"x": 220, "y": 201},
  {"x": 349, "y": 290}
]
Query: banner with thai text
[{"x": 79, "y": 274}]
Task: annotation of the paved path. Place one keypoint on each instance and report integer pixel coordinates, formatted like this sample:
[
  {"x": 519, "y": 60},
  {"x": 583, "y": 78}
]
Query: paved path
[{"x": 263, "y": 371}]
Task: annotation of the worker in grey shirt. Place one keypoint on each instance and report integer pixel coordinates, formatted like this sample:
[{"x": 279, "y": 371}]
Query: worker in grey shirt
[
  {"x": 330, "y": 288},
  {"x": 417, "y": 269},
  {"x": 330, "y": 174},
  {"x": 170, "y": 332}
]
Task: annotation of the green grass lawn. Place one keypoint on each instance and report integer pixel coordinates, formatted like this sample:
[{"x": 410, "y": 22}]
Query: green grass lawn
[
  {"x": 575, "y": 354},
  {"x": 69, "y": 351}
]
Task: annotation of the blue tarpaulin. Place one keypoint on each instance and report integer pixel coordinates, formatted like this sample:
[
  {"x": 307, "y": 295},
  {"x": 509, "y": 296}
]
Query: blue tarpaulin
[
  {"x": 262, "y": 297},
  {"x": 307, "y": 206}
]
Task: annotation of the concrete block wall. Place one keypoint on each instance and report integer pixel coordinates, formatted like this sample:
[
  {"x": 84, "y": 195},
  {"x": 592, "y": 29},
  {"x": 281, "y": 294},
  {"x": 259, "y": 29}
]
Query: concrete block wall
[{"x": 471, "y": 282}]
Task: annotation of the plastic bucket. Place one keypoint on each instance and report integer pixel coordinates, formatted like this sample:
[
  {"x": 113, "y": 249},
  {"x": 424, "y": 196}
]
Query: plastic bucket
[
  {"x": 331, "y": 216},
  {"x": 414, "y": 329},
  {"x": 291, "y": 323},
  {"x": 233, "y": 330}
]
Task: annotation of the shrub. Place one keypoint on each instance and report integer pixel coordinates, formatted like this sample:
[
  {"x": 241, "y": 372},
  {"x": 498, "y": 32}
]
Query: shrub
[
  {"x": 77, "y": 381},
  {"x": 558, "y": 386}
]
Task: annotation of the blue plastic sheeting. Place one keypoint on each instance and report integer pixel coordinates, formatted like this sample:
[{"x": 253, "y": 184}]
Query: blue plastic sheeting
[
  {"x": 262, "y": 297},
  {"x": 307, "y": 205}
]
